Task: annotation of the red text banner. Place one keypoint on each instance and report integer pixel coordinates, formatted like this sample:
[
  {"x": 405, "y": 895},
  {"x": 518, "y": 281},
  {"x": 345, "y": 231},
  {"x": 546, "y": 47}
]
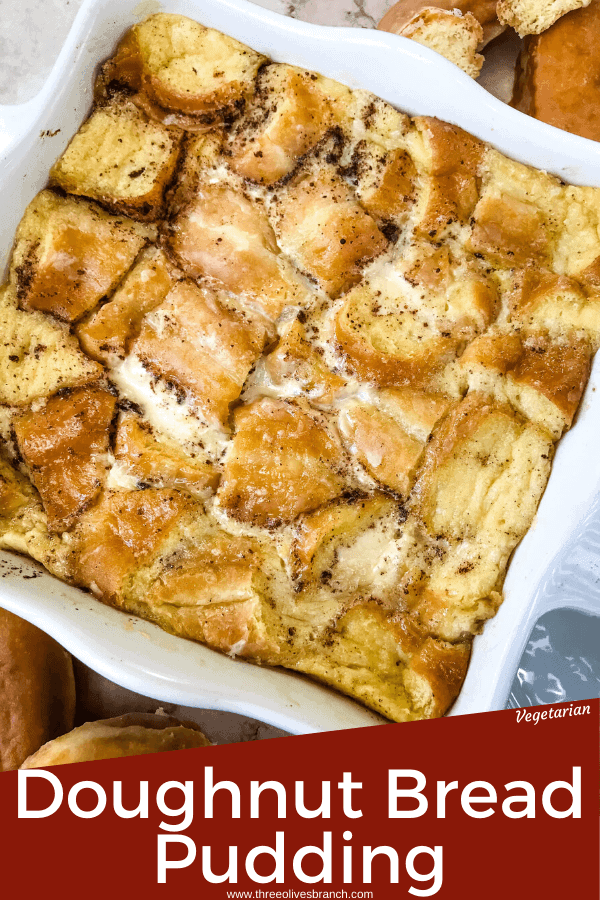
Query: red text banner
[{"x": 495, "y": 805}]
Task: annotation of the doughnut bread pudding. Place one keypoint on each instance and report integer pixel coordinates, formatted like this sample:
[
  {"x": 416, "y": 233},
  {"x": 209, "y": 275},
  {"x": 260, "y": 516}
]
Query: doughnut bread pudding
[{"x": 285, "y": 368}]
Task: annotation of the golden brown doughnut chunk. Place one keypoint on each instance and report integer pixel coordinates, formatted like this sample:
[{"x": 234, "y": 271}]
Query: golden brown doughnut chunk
[
  {"x": 319, "y": 536},
  {"x": 37, "y": 690},
  {"x": 559, "y": 73},
  {"x": 121, "y": 158},
  {"x": 535, "y": 16},
  {"x": 181, "y": 67},
  {"x": 389, "y": 438},
  {"x": 542, "y": 378},
  {"x": 62, "y": 445},
  {"x": 295, "y": 358},
  {"x": 478, "y": 448},
  {"x": 204, "y": 349},
  {"x": 452, "y": 160},
  {"x": 288, "y": 115},
  {"x": 556, "y": 303},
  {"x": 282, "y": 462},
  {"x": 38, "y": 355},
  {"x": 109, "y": 330},
  {"x": 224, "y": 236},
  {"x": 160, "y": 462},
  {"x": 326, "y": 231},
  {"x": 121, "y": 533},
  {"x": 456, "y": 37},
  {"x": 70, "y": 254},
  {"x": 130, "y": 735},
  {"x": 484, "y": 11}
]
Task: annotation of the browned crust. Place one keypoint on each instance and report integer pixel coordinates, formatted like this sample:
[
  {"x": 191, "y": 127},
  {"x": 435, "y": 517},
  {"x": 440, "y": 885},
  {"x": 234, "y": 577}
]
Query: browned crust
[
  {"x": 122, "y": 532},
  {"x": 558, "y": 371},
  {"x": 61, "y": 444},
  {"x": 370, "y": 364},
  {"x": 404, "y": 11},
  {"x": 125, "y": 71},
  {"x": 456, "y": 158},
  {"x": 559, "y": 71},
  {"x": 444, "y": 666},
  {"x": 127, "y": 735},
  {"x": 462, "y": 421},
  {"x": 149, "y": 207},
  {"x": 37, "y": 690}
]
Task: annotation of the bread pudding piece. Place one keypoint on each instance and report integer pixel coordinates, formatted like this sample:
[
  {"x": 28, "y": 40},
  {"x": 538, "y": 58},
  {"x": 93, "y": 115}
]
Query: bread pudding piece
[
  {"x": 510, "y": 231},
  {"x": 17, "y": 497},
  {"x": 296, "y": 362},
  {"x": 122, "y": 531},
  {"x": 23, "y": 521},
  {"x": 386, "y": 662},
  {"x": 151, "y": 460},
  {"x": 577, "y": 252},
  {"x": 478, "y": 445},
  {"x": 224, "y": 235},
  {"x": 449, "y": 161},
  {"x": 38, "y": 355},
  {"x": 289, "y": 114},
  {"x": 109, "y": 330},
  {"x": 558, "y": 71},
  {"x": 156, "y": 553},
  {"x": 520, "y": 215},
  {"x": 182, "y": 71},
  {"x": 557, "y": 304},
  {"x": 200, "y": 347},
  {"x": 392, "y": 332},
  {"x": 306, "y": 416},
  {"x": 320, "y": 537},
  {"x": 282, "y": 461},
  {"x": 526, "y": 219},
  {"x": 381, "y": 445},
  {"x": 481, "y": 479},
  {"x": 121, "y": 158},
  {"x": 325, "y": 230},
  {"x": 535, "y": 16},
  {"x": 69, "y": 254},
  {"x": 215, "y": 591},
  {"x": 542, "y": 378},
  {"x": 455, "y": 36},
  {"x": 64, "y": 446},
  {"x": 388, "y": 435},
  {"x": 385, "y": 184}
]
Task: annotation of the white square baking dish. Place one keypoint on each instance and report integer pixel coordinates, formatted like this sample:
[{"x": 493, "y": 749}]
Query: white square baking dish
[{"x": 140, "y": 656}]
